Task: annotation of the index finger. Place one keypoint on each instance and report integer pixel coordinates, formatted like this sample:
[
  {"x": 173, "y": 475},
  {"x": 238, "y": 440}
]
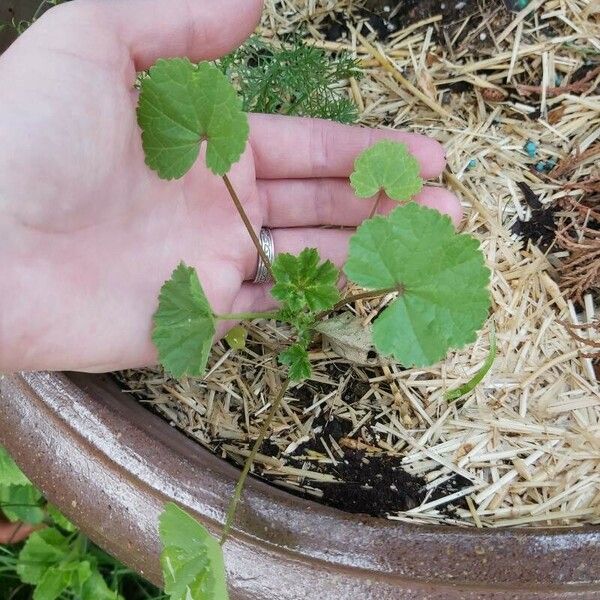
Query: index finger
[{"x": 299, "y": 147}]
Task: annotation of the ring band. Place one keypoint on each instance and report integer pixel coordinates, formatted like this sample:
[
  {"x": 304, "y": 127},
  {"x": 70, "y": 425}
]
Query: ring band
[{"x": 267, "y": 244}]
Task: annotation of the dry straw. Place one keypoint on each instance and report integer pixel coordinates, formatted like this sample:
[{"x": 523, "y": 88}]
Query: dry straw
[{"x": 527, "y": 439}]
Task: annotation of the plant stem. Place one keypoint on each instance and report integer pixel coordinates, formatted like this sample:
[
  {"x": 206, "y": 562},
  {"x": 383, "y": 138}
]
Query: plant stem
[
  {"x": 239, "y": 487},
  {"x": 375, "y": 205},
  {"x": 247, "y": 316},
  {"x": 360, "y": 296},
  {"x": 249, "y": 228}
]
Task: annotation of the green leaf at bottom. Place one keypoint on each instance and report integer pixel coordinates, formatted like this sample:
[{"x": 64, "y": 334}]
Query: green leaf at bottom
[
  {"x": 192, "y": 560},
  {"x": 184, "y": 325},
  {"x": 95, "y": 588},
  {"x": 10, "y": 474},
  {"x": 43, "y": 550},
  {"x": 53, "y": 583},
  {"x": 22, "y": 503}
]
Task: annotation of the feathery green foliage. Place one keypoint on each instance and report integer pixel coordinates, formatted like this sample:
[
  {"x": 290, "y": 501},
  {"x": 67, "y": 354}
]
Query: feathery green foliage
[{"x": 296, "y": 80}]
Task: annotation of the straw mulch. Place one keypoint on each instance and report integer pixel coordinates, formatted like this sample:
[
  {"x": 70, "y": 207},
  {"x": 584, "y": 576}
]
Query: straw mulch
[{"x": 524, "y": 447}]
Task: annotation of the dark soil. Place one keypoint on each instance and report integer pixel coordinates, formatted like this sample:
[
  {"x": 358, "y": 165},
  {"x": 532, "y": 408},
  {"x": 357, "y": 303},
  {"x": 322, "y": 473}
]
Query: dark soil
[
  {"x": 372, "y": 484},
  {"x": 540, "y": 229},
  {"x": 386, "y": 17},
  {"x": 378, "y": 485}
]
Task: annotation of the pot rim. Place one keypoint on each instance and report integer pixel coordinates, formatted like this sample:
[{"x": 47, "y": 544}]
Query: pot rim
[{"x": 121, "y": 462}]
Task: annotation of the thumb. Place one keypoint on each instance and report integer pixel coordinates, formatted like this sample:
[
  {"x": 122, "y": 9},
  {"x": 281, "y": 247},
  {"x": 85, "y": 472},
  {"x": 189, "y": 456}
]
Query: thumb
[{"x": 152, "y": 29}]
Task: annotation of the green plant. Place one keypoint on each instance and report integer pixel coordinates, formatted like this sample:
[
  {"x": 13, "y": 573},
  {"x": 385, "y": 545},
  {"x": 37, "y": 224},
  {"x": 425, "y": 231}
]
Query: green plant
[
  {"x": 296, "y": 80},
  {"x": 21, "y": 25},
  {"x": 438, "y": 277},
  {"x": 57, "y": 562},
  {"x": 19, "y": 499}
]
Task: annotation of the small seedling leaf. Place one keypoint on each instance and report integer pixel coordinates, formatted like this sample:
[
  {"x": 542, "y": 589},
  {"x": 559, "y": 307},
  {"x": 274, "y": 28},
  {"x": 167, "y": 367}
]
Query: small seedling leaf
[
  {"x": 296, "y": 358},
  {"x": 441, "y": 277},
  {"x": 236, "y": 337},
  {"x": 192, "y": 560},
  {"x": 181, "y": 104},
  {"x": 387, "y": 166},
  {"x": 184, "y": 325},
  {"x": 302, "y": 282}
]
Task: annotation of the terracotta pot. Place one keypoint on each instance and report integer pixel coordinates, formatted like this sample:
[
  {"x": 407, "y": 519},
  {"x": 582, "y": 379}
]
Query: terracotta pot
[{"x": 109, "y": 465}]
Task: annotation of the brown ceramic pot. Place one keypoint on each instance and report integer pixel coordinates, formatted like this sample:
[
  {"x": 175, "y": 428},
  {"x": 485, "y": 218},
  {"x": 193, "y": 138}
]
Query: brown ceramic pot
[{"x": 109, "y": 465}]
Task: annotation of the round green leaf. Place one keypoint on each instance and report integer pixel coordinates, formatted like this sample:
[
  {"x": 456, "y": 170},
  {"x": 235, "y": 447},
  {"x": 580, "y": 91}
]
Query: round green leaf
[
  {"x": 184, "y": 325},
  {"x": 181, "y": 104},
  {"x": 387, "y": 166},
  {"x": 441, "y": 275}
]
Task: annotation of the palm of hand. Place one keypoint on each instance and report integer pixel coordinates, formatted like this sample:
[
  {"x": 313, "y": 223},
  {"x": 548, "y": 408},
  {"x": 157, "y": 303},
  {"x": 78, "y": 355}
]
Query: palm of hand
[
  {"x": 91, "y": 232},
  {"x": 105, "y": 220}
]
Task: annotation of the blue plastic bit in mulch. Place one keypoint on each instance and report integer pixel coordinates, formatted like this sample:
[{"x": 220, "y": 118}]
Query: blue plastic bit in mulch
[
  {"x": 471, "y": 164},
  {"x": 545, "y": 166},
  {"x": 516, "y": 5},
  {"x": 531, "y": 148}
]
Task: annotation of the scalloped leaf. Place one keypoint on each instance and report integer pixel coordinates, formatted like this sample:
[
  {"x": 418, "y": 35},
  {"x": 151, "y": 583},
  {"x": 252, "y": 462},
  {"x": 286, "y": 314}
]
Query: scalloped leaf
[
  {"x": 181, "y": 104},
  {"x": 387, "y": 166},
  {"x": 296, "y": 358},
  {"x": 302, "y": 282},
  {"x": 184, "y": 325},
  {"x": 441, "y": 275}
]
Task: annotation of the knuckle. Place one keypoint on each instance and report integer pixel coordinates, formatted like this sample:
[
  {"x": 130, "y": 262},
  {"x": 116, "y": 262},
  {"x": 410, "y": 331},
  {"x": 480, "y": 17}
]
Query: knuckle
[
  {"x": 324, "y": 203},
  {"x": 319, "y": 147}
]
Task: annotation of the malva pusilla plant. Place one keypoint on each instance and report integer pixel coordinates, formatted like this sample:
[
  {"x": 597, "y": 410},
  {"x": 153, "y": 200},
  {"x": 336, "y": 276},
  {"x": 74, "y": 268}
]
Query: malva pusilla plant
[{"x": 437, "y": 278}]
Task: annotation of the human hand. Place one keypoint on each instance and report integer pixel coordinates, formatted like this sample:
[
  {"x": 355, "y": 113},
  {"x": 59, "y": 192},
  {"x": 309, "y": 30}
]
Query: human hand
[
  {"x": 13, "y": 533},
  {"x": 88, "y": 233}
]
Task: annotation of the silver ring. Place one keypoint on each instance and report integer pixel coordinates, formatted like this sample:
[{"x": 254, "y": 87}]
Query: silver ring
[{"x": 267, "y": 244}]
